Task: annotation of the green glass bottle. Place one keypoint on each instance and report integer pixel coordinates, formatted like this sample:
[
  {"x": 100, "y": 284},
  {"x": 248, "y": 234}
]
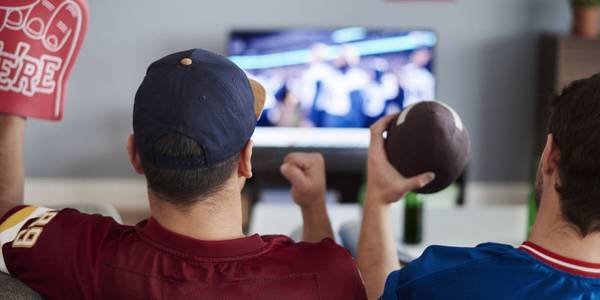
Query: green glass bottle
[
  {"x": 531, "y": 210},
  {"x": 362, "y": 193},
  {"x": 413, "y": 218}
]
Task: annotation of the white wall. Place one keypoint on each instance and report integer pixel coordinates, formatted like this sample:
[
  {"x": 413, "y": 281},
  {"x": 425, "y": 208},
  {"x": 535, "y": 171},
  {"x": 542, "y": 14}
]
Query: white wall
[{"x": 485, "y": 68}]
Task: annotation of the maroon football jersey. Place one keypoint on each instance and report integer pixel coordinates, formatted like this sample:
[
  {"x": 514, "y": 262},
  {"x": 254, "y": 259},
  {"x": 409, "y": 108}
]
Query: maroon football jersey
[{"x": 70, "y": 255}]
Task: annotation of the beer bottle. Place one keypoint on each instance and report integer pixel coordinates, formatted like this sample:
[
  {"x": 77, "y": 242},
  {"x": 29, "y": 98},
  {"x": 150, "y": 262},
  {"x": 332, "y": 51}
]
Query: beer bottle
[{"x": 413, "y": 218}]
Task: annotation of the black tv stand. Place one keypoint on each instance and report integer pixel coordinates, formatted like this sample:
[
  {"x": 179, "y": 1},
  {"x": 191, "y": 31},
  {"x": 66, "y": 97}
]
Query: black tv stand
[{"x": 345, "y": 171}]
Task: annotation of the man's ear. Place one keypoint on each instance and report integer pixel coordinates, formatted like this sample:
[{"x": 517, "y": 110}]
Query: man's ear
[
  {"x": 550, "y": 156},
  {"x": 134, "y": 156},
  {"x": 245, "y": 165}
]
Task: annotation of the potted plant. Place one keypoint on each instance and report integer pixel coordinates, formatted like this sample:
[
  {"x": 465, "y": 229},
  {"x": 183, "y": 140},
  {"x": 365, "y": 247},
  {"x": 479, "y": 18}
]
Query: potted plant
[{"x": 585, "y": 18}]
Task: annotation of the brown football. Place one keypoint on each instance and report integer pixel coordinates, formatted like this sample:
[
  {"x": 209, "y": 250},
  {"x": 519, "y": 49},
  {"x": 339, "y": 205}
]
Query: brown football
[{"x": 428, "y": 136}]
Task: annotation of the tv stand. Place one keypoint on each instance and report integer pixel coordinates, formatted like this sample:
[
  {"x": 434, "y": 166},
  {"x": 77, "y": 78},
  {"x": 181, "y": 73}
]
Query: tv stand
[{"x": 345, "y": 168}]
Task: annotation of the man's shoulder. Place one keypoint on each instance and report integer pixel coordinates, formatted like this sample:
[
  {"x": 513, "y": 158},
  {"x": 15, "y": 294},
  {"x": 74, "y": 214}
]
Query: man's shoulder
[
  {"x": 326, "y": 250},
  {"x": 436, "y": 258},
  {"x": 444, "y": 258},
  {"x": 443, "y": 264},
  {"x": 27, "y": 226},
  {"x": 324, "y": 257},
  {"x": 332, "y": 265},
  {"x": 46, "y": 247},
  {"x": 24, "y": 213}
]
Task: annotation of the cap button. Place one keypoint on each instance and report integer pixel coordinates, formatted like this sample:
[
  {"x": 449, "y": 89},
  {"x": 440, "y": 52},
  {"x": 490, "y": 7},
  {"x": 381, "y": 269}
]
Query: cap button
[{"x": 186, "y": 61}]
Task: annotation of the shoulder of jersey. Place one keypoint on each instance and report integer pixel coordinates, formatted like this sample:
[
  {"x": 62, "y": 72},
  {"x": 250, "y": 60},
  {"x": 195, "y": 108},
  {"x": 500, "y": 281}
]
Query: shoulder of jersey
[{"x": 438, "y": 258}]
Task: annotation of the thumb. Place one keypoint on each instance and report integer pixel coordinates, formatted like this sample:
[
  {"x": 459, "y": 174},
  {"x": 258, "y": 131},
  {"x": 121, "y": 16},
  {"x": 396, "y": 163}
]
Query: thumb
[
  {"x": 293, "y": 174},
  {"x": 417, "y": 182}
]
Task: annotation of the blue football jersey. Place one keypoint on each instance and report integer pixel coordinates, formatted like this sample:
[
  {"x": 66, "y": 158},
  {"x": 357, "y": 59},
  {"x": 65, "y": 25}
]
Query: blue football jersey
[{"x": 494, "y": 271}]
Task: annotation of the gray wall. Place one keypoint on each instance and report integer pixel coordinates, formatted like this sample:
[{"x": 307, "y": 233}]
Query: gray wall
[{"x": 485, "y": 69}]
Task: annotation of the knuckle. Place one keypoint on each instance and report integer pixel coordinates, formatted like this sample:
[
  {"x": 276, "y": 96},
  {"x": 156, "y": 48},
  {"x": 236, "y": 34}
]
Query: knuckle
[{"x": 372, "y": 159}]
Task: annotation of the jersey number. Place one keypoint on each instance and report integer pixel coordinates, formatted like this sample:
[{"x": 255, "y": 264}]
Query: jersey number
[{"x": 27, "y": 237}]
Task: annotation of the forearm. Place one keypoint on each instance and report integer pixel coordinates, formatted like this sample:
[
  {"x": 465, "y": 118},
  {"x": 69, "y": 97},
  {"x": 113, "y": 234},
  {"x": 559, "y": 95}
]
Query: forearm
[
  {"x": 11, "y": 162},
  {"x": 377, "y": 255},
  {"x": 317, "y": 225}
]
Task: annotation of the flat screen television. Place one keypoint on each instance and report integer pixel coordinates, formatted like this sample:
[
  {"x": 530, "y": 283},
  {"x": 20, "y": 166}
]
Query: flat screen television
[{"x": 325, "y": 87}]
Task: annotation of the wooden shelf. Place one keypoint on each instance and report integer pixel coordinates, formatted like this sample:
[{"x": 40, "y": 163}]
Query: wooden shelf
[{"x": 562, "y": 59}]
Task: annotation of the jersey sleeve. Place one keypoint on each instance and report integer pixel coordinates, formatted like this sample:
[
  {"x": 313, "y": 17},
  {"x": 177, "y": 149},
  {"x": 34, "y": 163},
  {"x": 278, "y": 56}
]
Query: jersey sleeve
[{"x": 54, "y": 252}]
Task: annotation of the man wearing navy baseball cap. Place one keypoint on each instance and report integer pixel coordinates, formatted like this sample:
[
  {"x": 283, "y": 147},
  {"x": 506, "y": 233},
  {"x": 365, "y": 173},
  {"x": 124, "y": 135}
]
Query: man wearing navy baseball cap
[{"x": 193, "y": 118}]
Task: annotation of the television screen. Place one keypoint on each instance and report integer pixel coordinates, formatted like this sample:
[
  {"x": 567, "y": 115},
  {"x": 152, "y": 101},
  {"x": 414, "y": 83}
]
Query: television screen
[{"x": 325, "y": 87}]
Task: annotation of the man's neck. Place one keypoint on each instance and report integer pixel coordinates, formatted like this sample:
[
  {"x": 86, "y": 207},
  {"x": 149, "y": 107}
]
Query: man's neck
[
  {"x": 555, "y": 234},
  {"x": 212, "y": 219}
]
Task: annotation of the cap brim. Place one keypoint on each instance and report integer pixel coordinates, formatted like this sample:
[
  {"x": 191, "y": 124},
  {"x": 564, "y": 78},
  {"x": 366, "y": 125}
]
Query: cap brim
[{"x": 260, "y": 95}]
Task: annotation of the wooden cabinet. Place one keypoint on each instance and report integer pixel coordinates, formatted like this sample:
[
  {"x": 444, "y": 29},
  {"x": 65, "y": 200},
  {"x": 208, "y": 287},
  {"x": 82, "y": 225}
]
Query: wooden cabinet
[{"x": 562, "y": 59}]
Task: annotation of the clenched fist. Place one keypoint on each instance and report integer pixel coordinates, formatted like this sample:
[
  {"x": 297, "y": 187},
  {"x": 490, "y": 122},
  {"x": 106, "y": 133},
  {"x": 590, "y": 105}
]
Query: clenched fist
[{"x": 306, "y": 173}]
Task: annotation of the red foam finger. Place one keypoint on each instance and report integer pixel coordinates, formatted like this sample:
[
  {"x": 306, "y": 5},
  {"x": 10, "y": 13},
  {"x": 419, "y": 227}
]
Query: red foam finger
[{"x": 39, "y": 42}]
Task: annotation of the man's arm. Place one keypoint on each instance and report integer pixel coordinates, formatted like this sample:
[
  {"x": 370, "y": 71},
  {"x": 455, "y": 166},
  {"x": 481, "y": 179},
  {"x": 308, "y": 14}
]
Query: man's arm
[
  {"x": 11, "y": 162},
  {"x": 306, "y": 173},
  {"x": 377, "y": 255}
]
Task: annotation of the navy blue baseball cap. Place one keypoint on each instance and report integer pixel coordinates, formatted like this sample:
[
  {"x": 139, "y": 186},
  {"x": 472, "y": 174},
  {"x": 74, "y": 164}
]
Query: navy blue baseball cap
[{"x": 201, "y": 95}]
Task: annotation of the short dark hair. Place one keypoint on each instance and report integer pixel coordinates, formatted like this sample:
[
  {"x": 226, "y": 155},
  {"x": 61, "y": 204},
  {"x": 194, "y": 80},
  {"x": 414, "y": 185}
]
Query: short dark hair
[
  {"x": 185, "y": 187},
  {"x": 575, "y": 126}
]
